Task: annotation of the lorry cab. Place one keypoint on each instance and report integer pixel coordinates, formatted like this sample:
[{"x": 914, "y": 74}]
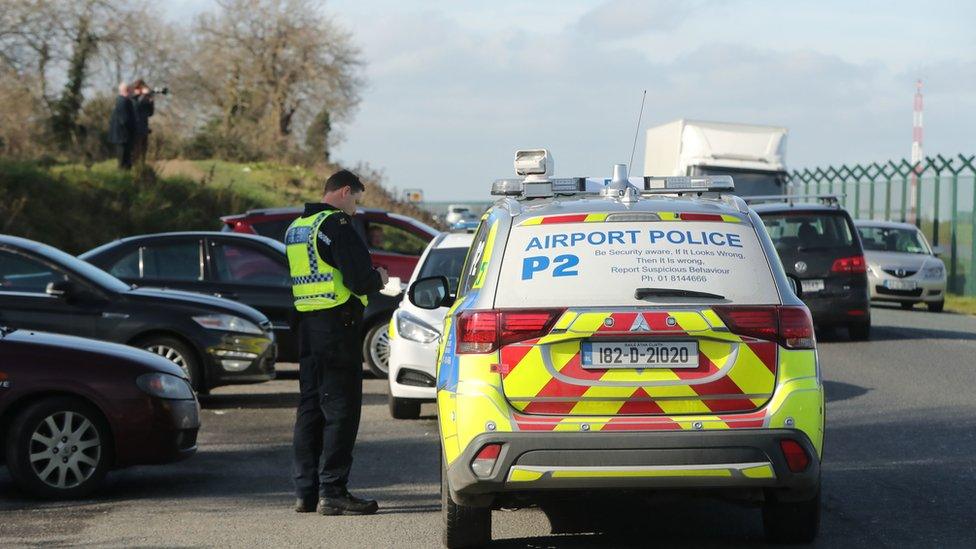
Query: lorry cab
[
  {"x": 619, "y": 333},
  {"x": 753, "y": 155}
]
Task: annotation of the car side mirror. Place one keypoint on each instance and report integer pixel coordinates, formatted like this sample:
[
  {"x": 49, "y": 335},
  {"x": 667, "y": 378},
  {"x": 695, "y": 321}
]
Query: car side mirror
[
  {"x": 60, "y": 289},
  {"x": 938, "y": 251},
  {"x": 795, "y": 285},
  {"x": 431, "y": 292}
]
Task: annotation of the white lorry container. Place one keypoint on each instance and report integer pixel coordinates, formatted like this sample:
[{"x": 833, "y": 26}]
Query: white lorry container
[{"x": 753, "y": 155}]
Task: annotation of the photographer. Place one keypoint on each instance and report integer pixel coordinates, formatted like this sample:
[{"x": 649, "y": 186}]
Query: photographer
[{"x": 144, "y": 104}]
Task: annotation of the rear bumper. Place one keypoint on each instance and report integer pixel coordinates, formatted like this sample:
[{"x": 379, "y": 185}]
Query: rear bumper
[
  {"x": 839, "y": 309},
  {"x": 531, "y": 462}
]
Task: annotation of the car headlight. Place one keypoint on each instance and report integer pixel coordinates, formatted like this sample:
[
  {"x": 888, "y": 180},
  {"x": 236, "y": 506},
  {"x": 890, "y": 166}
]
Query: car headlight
[
  {"x": 415, "y": 329},
  {"x": 228, "y": 323},
  {"x": 933, "y": 272},
  {"x": 165, "y": 386}
]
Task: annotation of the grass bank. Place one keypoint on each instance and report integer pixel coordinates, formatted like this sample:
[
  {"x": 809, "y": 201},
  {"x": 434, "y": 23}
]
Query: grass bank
[
  {"x": 961, "y": 304},
  {"x": 76, "y": 207}
]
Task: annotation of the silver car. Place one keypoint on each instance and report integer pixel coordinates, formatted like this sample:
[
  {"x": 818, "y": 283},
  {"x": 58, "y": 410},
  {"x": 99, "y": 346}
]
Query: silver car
[{"x": 902, "y": 267}]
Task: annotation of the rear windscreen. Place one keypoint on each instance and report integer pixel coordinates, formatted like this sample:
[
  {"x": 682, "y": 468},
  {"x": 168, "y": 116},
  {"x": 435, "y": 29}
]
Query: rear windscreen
[
  {"x": 808, "y": 231},
  {"x": 634, "y": 263}
]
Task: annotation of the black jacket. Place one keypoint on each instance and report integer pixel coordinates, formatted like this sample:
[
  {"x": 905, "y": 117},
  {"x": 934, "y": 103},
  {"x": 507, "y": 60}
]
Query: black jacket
[
  {"x": 144, "y": 108},
  {"x": 122, "y": 124},
  {"x": 341, "y": 246}
]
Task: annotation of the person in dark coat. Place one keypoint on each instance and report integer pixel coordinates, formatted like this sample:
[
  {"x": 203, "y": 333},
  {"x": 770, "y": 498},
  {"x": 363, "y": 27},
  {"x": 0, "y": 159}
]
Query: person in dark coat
[
  {"x": 145, "y": 106},
  {"x": 122, "y": 126}
]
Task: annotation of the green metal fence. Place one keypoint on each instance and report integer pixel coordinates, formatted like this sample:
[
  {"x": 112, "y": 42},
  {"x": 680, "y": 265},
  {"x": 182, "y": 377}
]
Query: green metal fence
[{"x": 945, "y": 202}]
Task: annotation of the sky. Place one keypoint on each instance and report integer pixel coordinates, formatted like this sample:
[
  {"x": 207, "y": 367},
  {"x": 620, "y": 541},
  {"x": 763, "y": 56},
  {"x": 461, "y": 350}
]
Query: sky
[{"x": 454, "y": 87}]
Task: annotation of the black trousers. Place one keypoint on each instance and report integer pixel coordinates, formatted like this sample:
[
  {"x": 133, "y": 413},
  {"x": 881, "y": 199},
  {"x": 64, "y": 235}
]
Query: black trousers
[
  {"x": 330, "y": 381},
  {"x": 124, "y": 153}
]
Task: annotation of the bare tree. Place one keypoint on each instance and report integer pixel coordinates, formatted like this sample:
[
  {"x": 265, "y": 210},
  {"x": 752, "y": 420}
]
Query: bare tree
[{"x": 273, "y": 65}]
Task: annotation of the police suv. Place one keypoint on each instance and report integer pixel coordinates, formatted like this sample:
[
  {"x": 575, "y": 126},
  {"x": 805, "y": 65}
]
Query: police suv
[{"x": 629, "y": 333}]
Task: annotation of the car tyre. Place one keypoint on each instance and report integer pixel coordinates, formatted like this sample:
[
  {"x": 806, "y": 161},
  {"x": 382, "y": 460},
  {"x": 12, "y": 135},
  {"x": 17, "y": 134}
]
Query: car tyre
[
  {"x": 936, "y": 306},
  {"x": 859, "y": 331},
  {"x": 180, "y": 354},
  {"x": 376, "y": 348},
  {"x": 907, "y": 304},
  {"x": 464, "y": 526},
  {"x": 791, "y": 521},
  {"x": 46, "y": 467},
  {"x": 404, "y": 408}
]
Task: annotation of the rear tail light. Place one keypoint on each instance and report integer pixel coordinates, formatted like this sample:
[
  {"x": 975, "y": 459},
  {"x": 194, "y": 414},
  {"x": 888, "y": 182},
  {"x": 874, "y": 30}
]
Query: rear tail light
[
  {"x": 486, "y": 331},
  {"x": 796, "y": 457},
  {"x": 484, "y": 460},
  {"x": 477, "y": 332},
  {"x": 853, "y": 264},
  {"x": 790, "y": 326}
]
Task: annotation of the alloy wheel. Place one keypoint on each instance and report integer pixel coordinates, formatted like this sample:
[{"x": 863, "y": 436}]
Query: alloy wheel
[
  {"x": 170, "y": 354},
  {"x": 65, "y": 450},
  {"x": 379, "y": 349}
]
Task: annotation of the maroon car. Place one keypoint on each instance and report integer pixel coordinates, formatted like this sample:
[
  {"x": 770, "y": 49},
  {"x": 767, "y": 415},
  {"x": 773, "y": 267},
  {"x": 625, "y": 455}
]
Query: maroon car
[
  {"x": 395, "y": 241},
  {"x": 73, "y": 408}
]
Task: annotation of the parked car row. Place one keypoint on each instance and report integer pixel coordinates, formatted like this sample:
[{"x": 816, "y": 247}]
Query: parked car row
[{"x": 100, "y": 355}]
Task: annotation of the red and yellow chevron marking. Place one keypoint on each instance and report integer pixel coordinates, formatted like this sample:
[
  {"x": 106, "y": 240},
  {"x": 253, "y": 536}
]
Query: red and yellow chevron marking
[
  {"x": 752, "y": 420},
  {"x": 598, "y": 217},
  {"x": 734, "y": 374}
]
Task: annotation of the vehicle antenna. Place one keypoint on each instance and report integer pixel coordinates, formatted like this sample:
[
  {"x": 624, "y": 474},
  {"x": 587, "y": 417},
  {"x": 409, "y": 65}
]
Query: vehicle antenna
[{"x": 637, "y": 132}]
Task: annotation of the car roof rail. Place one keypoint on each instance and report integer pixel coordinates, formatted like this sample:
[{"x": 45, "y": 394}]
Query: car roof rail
[{"x": 825, "y": 199}]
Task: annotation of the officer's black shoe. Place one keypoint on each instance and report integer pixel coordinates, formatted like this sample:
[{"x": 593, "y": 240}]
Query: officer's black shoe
[
  {"x": 346, "y": 504},
  {"x": 305, "y": 505}
]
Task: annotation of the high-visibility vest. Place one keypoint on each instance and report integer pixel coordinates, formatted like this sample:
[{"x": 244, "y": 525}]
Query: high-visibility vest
[{"x": 315, "y": 284}]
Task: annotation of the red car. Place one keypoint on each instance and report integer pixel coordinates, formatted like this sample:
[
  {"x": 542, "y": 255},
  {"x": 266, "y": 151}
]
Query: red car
[
  {"x": 73, "y": 408},
  {"x": 395, "y": 241}
]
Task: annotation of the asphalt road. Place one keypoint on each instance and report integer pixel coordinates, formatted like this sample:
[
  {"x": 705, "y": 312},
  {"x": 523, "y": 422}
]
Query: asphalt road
[{"x": 899, "y": 470}]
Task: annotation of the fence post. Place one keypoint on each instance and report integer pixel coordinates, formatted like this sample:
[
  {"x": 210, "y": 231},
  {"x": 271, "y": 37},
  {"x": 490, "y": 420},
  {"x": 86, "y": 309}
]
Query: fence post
[
  {"x": 858, "y": 172},
  {"x": 889, "y": 172},
  {"x": 918, "y": 171},
  {"x": 970, "y": 278},
  {"x": 937, "y": 168},
  {"x": 877, "y": 170}
]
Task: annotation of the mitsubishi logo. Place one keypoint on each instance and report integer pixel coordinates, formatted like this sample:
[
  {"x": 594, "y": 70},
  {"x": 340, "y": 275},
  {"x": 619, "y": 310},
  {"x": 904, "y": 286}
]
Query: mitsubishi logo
[{"x": 640, "y": 324}]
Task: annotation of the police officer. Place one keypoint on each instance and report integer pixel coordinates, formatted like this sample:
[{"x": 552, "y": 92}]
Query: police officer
[{"x": 331, "y": 275}]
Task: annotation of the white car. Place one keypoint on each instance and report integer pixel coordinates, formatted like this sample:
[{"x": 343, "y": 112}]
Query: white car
[
  {"x": 902, "y": 267},
  {"x": 459, "y": 212},
  {"x": 415, "y": 333}
]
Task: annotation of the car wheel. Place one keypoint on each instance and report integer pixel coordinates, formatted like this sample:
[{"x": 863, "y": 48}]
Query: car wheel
[
  {"x": 464, "y": 526},
  {"x": 907, "y": 304},
  {"x": 404, "y": 408},
  {"x": 59, "y": 447},
  {"x": 791, "y": 521},
  {"x": 180, "y": 354},
  {"x": 936, "y": 306},
  {"x": 860, "y": 331},
  {"x": 376, "y": 348}
]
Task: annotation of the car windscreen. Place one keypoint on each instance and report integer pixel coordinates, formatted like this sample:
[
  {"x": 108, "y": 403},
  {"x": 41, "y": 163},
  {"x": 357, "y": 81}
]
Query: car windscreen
[
  {"x": 85, "y": 269},
  {"x": 893, "y": 239},
  {"x": 634, "y": 263},
  {"x": 808, "y": 231},
  {"x": 444, "y": 262}
]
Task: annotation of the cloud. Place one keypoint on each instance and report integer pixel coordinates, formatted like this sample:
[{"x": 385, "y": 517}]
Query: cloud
[{"x": 625, "y": 18}]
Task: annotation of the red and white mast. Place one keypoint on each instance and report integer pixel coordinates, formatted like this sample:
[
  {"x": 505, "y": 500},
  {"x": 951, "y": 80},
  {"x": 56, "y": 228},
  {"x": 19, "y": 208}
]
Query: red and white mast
[{"x": 917, "y": 133}]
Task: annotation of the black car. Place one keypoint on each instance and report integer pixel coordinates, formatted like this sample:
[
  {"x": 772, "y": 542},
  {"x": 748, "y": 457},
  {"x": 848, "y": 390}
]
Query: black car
[
  {"x": 249, "y": 268},
  {"x": 216, "y": 341},
  {"x": 72, "y": 408},
  {"x": 818, "y": 244}
]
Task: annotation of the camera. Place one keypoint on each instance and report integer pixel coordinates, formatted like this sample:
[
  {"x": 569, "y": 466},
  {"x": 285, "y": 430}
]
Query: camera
[{"x": 161, "y": 91}]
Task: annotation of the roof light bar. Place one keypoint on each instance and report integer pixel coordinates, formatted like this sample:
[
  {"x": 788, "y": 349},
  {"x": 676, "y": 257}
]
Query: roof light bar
[{"x": 705, "y": 183}]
